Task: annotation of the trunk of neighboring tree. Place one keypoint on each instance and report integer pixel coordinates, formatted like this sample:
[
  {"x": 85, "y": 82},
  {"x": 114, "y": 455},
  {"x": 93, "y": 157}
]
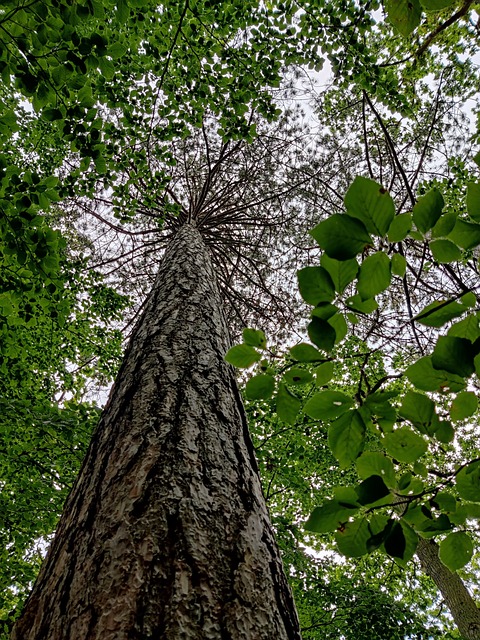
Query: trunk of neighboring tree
[
  {"x": 457, "y": 598},
  {"x": 166, "y": 534}
]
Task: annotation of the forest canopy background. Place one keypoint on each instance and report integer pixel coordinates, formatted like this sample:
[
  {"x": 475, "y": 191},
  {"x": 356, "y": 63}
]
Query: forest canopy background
[{"x": 119, "y": 123}]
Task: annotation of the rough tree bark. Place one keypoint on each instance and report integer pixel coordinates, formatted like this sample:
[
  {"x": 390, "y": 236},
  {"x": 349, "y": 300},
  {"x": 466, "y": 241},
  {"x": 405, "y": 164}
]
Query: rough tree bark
[
  {"x": 462, "y": 606},
  {"x": 166, "y": 533}
]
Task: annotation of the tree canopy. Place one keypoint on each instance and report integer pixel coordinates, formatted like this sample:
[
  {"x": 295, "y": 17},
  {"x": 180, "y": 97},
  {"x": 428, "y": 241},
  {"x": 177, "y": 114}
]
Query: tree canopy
[{"x": 119, "y": 121}]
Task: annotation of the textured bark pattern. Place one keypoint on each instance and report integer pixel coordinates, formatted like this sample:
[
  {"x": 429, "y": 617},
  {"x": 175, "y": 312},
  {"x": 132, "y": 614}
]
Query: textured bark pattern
[
  {"x": 457, "y": 598},
  {"x": 166, "y": 534}
]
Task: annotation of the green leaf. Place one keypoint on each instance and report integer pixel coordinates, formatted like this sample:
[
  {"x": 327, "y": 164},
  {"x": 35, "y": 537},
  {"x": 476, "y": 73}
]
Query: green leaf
[
  {"x": 117, "y": 50},
  {"x": 346, "y": 437},
  {"x": 445, "y": 251},
  {"x": 444, "y": 432},
  {"x": 323, "y": 374},
  {"x": 327, "y": 405},
  {"x": 405, "y": 445},
  {"x": 374, "y": 276},
  {"x": 468, "y": 482},
  {"x": 295, "y": 375},
  {"x": 465, "y": 511},
  {"x": 371, "y": 490},
  {"x": 399, "y": 265},
  {"x": 321, "y": 334},
  {"x": 436, "y": 5},
  {"x": 424, "y": 376},
  {"x": 341, "y": 236},
  {"x": 242, "y": 356},
  {"x": 404, "y": 15},
  {"x": 346, "y": 495},
  {"x": 430, "y": 528},
  {"x": 378, "y": 405},
  {"x": 464, "y": 405},
  {"x": 470, "y": 299},
  {"x": 420, "y": 410},
  {"x": 440, "y": 312},
  {"x": 304, "y": 352},
  {"x": 445, "y": 224},
  {"x": 353, "y": 537},
  {"x": 123, "y": 11},
  {"x": 254, "y": 338},
  {"x": 428, "y": 210},
  {"x": 420, "y": 469},
  {"x": 473, "y": 200},
  {"x": 330, "y": 516},
  {"x": 100, "y": 165},
  {"x": 50, "y": 114},
  {"x": 445, "y": 501},
  {"x": 465, "y": 234},
  {"x": 288, "y": 405},
  {"x": 467, "y": 328},
  {"x": 362, "y": 306},
  {"x": 315, "y": 285},
  {"x": 342, "y": 272},
  {"x": 456, "y": 550},
  {"x": 324, "y": 310},
  {"x": 375, "y": 463},
  {"x": 340, "y": 326},
  {"x": 260, "y": 387},
  {"x": 106, "y": 67},
  {"x": 371, "y": 203},
  {"x": 400, "y": 227},
  {"x": 454, "y": 355}
]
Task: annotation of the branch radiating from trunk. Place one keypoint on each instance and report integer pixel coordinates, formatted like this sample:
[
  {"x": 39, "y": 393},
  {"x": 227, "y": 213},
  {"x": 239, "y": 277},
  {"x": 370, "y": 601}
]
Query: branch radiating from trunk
[
  {"x": 462, "y": 606},
  {"x": 166, "y": 533}
]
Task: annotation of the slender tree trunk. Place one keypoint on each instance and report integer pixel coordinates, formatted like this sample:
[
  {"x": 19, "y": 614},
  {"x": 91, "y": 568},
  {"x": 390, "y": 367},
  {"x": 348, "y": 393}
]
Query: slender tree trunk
[
  {"x": 166, "y": 533},
  {"x": 462, "y": 606}
]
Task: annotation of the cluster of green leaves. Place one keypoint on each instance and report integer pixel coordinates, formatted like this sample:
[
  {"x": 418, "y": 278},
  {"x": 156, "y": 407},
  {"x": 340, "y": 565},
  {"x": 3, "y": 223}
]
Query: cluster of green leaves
[
  {"x": 334, "y": 596},
  {"x": 54, "y": 344},
  {"x": 405, "y": 15},
  {"x": 41, "y": 450},
  {"x": 389, "y": 434}
]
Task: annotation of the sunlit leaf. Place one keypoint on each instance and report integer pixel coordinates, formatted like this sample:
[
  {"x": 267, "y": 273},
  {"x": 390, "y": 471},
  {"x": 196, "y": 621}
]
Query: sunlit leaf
[
  {"x": 327, "y": 405},
  {"x": 428, "y": 210},
  {"x": 242, "y": 356},
  {"x": 375, "y": 463},
  {"x": 468, "y": 481},
  {"x": 331, "y": 515},
  {"x": 404, "y": 15},
  {"x": 405, "y": 445},
  {"x": 254, "y": 338},
  {"x": 400, "y": 227},
  {"x": 342, "y": 272},
  {"x": 374, "y": 276},
  {"x": 473, "y": 200},
  {"x": 456, "y": 550},
  {"x": 445, "y": 251},
  {"x": 260, "y": 387},
  {"x": 464, "y": 405},
  {"x": 371, "y": 203},
  {"x": 346, "y": 437},
  {"x": 424, "y": 376}
]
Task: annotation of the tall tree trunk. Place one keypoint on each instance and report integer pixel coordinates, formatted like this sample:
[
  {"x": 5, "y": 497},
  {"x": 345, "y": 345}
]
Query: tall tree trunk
[
  {"x": 166, "y": 533},
  {"x": 462, "y": 606}
]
